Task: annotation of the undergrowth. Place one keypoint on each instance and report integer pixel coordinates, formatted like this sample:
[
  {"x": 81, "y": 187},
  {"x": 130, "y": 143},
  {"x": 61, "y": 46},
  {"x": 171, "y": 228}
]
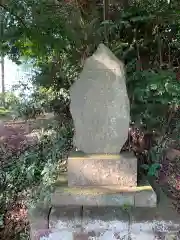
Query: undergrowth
[{"x": 29, "y": 177}]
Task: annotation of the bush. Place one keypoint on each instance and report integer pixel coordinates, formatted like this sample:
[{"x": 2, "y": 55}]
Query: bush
[
  {"x": 4, "y": 112},
  {"x": 37, "y": 166},
  {"x": 28, "y": 111}
]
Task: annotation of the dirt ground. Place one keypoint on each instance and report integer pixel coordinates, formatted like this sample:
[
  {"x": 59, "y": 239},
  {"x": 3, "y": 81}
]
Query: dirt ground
[{"x": 14, "y": 135}]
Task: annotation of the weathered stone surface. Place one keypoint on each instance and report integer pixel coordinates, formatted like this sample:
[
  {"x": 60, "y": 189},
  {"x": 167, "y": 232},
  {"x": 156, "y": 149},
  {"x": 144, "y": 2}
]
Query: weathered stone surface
[
  {"x": 53, "y": 234},
  {"x": 109, "y": 230},
  {"x": 105, "y": 214},
  {"x": 81, "y": 236},
  {"x": 102, "y": 196},
  {"x": 97, "y": 170},
  {"x": 98, "y": 220},
  {"x": 149, "y": 222},
  {"x": 163, "y": 221},
  {"x": 100, "y": 104},
  {"x": 38, "y": 221},
  {"x": 145, "y": 198},
  {"x": 112, "y": 195},
  {"x": 69, "y": 216},
  {"x": 37, "y": 213}
]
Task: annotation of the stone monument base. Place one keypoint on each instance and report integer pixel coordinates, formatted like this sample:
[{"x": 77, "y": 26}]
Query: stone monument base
[
  {"x": 111, "y": 195},
  {"x": 102, "y": 169},
  {"x": 67, "y": 204}
]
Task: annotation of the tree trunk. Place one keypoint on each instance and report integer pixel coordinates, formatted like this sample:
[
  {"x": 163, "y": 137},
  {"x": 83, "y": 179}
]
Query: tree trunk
[
  {"x": 2, "y": 80},
  {"x": 2, "y": 63},
  {"x": 105, "y": 17},
  {"x": 106, "y": 9}
]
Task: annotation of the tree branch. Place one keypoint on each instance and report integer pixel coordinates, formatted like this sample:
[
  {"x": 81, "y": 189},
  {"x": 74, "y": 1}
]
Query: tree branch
[{"x": 17, "y": 17}]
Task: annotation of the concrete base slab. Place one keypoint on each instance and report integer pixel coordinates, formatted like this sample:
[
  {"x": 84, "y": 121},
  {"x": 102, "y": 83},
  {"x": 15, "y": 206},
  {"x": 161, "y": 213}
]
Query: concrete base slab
[
  {"x": 110, "y": 223},
  {"x": 105, "y": 196},
  {"x": 100, "y": 230},
  {"x": 160, "y": 222}
]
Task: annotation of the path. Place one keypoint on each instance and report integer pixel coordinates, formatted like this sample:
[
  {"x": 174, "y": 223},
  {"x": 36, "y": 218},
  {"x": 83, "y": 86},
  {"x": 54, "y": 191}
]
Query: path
[{"x": 15, "y": 136}]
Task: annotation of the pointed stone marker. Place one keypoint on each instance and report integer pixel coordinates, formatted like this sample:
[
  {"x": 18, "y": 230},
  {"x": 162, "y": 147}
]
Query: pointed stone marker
[{"x": 100, "y": 104}]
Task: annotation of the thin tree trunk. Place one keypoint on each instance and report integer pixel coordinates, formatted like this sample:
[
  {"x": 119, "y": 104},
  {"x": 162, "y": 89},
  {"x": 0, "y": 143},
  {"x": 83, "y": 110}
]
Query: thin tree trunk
[
  {"x": 2, "y": 80},
  {"x": 105, "y": 17},
  {"x": 106, "y": 9},
  {"x": 2, "y": 64}
]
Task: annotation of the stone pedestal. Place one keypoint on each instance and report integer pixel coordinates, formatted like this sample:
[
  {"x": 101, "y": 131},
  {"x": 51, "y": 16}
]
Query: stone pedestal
[
  {"x": 84, "y": 188},
  {"x": 100, "y": 170}
]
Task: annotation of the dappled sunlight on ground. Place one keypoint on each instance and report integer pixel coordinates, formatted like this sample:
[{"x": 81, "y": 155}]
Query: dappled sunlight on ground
[{"x": 15, "y": 220}]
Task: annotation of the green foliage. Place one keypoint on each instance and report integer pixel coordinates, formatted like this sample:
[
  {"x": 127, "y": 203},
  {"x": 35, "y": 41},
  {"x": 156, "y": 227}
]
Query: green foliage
[
  {"x": 4, "y": 112},
  {"x": 150, "y": 103},
  {"x": 126, "y": 207},
  {"x": 152, "y": 170},
  {"x": 11, "y": 100},
  {"x": 34, "y": 172},
  {"x": 144, "y": 35},
  {"x": 28, "y": 110}
]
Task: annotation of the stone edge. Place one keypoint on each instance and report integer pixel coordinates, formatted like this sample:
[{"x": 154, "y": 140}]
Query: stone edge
[{"x": 143, "y": 198}]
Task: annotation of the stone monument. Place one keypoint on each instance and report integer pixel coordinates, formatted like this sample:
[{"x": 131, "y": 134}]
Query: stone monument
[
  {"x": 100, "y": 105},
  {"x": 97, "y": 173},
  {"x": 98, "y": 176},
  {"x": 101, "y": 114}
]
